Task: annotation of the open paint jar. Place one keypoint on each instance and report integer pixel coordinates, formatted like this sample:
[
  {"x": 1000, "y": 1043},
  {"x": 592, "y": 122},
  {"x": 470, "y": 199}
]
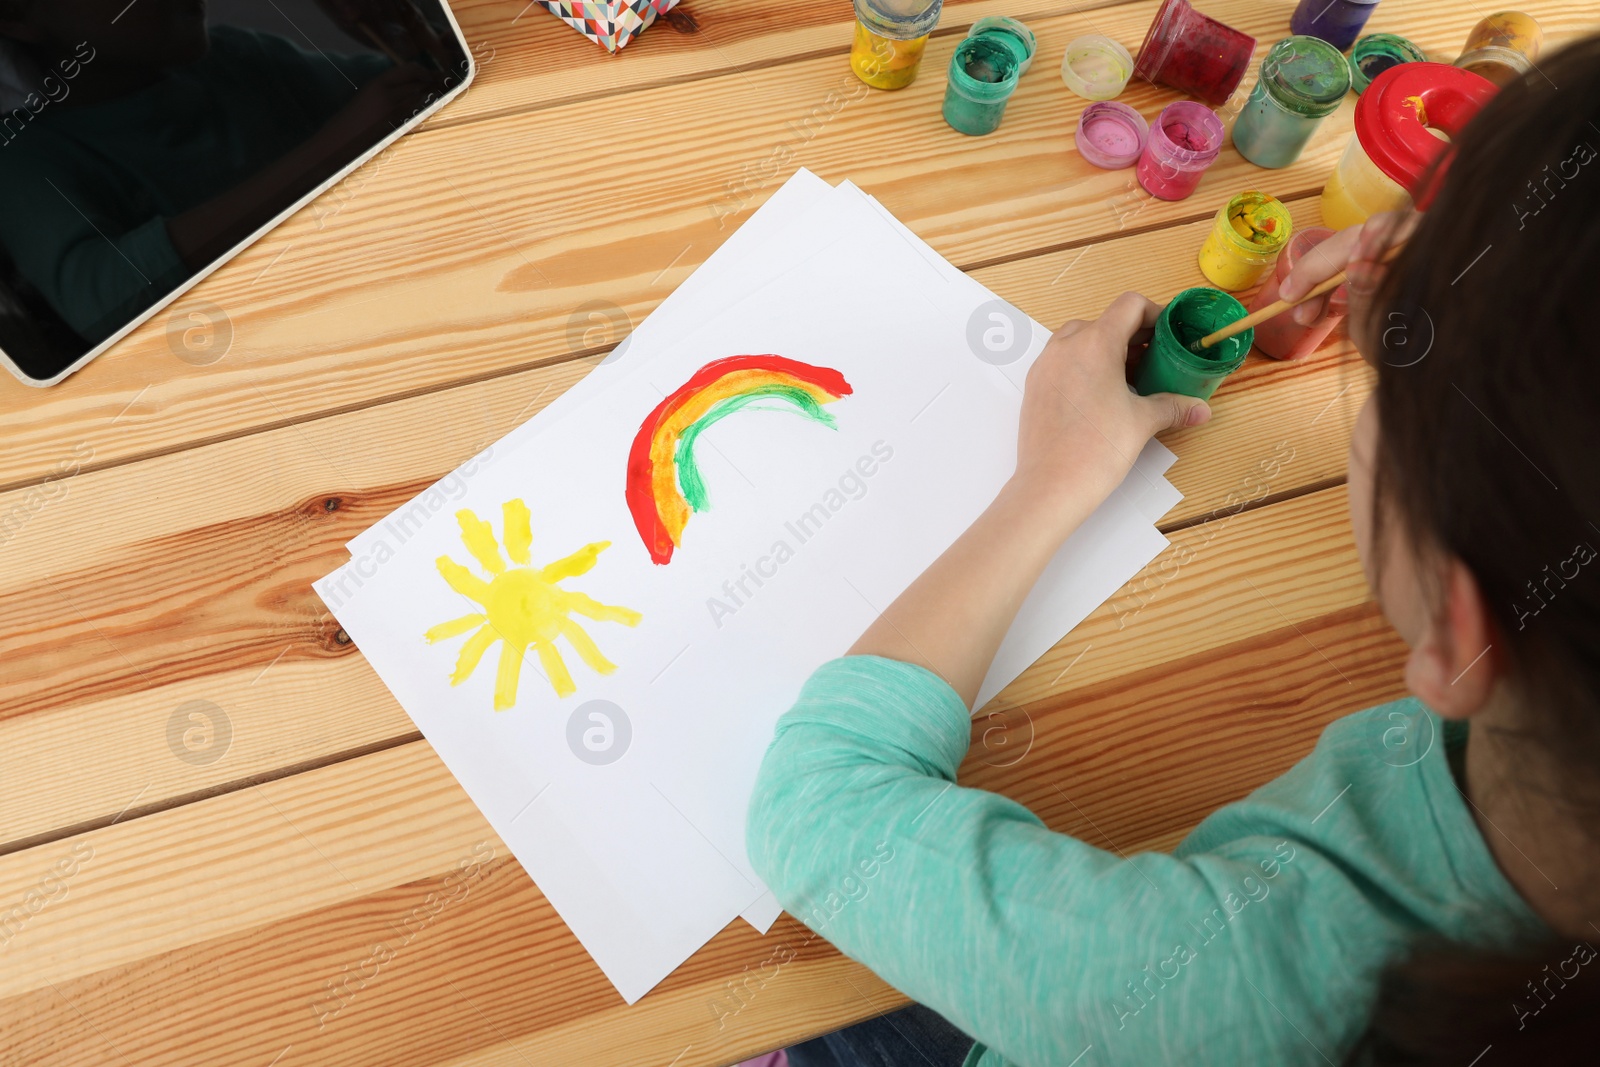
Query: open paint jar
[
  {"x": 1280, "y": 336},
  {"x": 1376, "y": 53},
  {"x": 1183, "y": 142},
  {"x": 1012, "y": 33},
  {"x": 890, "y": 38},
  {"x": 1111, "y": 135},
  {"x": 1302, "y": 80},
  {"x": 1171, "y": 366},
  {"x": 1502, "y": 46},
  {"x": 1096, "y": 67},
  {"x": 1193, "y": 53},
  {"x": 1407, "y": 116},
  {"x": 1338, "y": 22},
  {"x": 1245, "y": 239},
  {"x": 983, "y": 75}
]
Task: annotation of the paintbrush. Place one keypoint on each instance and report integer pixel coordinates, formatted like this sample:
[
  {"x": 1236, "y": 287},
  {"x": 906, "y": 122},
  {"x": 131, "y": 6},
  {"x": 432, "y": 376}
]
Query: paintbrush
[{"x": 1276, "y": 308}]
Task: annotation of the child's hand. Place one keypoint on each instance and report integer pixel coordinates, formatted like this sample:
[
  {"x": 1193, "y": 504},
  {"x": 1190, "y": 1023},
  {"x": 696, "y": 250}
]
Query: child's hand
[
  {"x": 1082, "y": 426},
  {"x": 1357, "y": 250}
]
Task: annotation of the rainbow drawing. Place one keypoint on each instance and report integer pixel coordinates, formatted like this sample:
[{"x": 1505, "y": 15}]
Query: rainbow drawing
[{"x": 664, "y": 482}]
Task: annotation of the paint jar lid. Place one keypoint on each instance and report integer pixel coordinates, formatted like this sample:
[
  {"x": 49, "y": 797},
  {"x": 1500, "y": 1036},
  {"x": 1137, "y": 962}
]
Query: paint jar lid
[
  {"x": 1307, "y": 75},
  {"x": 1095, "y": 67},
  {"x": 1111, "y": 135},
  {"x": 1011, "y": 30},
  {"x": 901, "y": 20},
  {"x": 1377, "y": 52},
  {"x": 1402, "y": 115}
]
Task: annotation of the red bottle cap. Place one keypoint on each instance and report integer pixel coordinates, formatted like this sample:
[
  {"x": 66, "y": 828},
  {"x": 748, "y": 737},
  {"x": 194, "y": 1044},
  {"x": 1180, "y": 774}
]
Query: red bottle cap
[{"x": 1394, "y": 115}]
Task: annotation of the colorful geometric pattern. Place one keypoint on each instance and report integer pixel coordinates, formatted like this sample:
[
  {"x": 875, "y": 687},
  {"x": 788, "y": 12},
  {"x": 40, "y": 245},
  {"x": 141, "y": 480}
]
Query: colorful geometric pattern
[{"x": 608, "y": 23}]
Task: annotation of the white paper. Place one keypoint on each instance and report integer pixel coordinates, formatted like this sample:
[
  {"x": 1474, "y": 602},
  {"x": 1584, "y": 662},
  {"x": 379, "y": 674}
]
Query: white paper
[{"x": 644, "y": 857}]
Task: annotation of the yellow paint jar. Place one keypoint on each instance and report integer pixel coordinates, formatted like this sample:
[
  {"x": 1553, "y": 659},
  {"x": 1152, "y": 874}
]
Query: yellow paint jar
[
  {"x": 1502, "y": 46},
  {"x": 1245, "y": 239},
  {"x": 890, "y": 38}
]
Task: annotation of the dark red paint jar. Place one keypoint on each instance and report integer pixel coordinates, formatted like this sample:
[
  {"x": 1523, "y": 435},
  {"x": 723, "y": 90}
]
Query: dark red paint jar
[{"x": 1194, "y": 53}]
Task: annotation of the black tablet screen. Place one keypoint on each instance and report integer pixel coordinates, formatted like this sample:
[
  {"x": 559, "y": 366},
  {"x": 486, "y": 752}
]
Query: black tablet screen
[{"x": 141, "y": 141}]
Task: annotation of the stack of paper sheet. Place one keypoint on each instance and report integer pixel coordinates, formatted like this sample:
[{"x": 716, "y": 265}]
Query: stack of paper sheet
[{"x": 770, "y": 459}]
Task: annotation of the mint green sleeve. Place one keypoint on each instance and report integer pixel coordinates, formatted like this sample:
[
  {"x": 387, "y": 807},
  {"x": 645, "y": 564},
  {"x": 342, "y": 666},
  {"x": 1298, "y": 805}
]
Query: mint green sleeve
[{"x": 1259, "y": 948}]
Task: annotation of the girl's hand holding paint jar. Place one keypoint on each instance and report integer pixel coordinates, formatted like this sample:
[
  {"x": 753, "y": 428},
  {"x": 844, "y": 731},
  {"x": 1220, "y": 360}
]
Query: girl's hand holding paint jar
[
  {"x": 1082, "y": 426},
  {"x": 1357, "y": 250}
]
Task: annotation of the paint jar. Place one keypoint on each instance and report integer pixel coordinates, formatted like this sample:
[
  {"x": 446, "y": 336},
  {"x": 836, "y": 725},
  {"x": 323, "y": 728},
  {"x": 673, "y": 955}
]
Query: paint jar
[
  {"x": 1280, "y": 336},
  {"x": 1183, "y": 142},
  {"x": 1245, "y": 239},
  {"x": 983, "y": 75},
  {"x": 890, "y": 38},
  {"x": 1303, "y": 79},
  {"x": 1376, "y": 53},
  {"x": 1502, "y": 47},
  {"x": 1013, "y": 33},
  {"x": 1338, "y": 22},
  {"x": 1111, "y": 135},
  {"x": 1096, "y": 67},
  {"x": 1171, "y": 366},
  {"x": 1194, "y": 54},
  {"x": 1403, "y": 121}
]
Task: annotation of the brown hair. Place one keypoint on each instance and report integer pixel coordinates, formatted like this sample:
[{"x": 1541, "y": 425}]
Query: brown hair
[{"x": 1486, "y": 332}]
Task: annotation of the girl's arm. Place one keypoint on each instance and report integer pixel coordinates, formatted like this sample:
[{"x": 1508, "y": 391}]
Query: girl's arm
[{"x": 1081, "y": 430}]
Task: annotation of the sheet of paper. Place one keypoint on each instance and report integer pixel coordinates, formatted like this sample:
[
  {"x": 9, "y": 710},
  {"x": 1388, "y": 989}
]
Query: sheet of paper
[{"x": 733, "y": 625}]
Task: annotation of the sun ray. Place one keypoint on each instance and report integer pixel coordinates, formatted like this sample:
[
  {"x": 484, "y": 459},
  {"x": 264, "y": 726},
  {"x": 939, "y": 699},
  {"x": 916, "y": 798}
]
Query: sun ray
[
  {"x": 524, "y": 607},
  {"x": 463, "y": 581},
  {"x": 518, "y": 531},
  {"x": 589, "y": 607},
  {"x": 454, "y": 627},
  {"x": 585, "y": 647},
  {"x": 578, "y": 563},
  {"x": 556, "y": 668},
  {"x": 507, "y": 675},
  {"x": 471, "y": 653}
]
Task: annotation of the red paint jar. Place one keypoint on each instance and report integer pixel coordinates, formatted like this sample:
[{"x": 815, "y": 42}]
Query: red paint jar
[
  {"x": 1194, "y": 53},
  {"x": 1282, "y": 337}
]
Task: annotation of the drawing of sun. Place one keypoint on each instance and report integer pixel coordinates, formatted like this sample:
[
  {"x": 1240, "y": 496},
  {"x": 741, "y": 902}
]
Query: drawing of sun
[{"x": 523, "y": 606}]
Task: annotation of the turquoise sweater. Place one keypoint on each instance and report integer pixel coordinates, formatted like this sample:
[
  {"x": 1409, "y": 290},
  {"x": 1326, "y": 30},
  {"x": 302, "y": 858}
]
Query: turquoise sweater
[{"x": 1259, "y": 940}]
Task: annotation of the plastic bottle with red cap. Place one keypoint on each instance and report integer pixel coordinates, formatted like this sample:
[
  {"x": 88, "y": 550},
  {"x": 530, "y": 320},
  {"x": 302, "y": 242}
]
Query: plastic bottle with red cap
[{"x": 1404, "y": 120}]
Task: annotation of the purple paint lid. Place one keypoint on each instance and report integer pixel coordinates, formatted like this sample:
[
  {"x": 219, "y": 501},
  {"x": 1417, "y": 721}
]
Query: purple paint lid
[{"x": 1111, "y": 135}]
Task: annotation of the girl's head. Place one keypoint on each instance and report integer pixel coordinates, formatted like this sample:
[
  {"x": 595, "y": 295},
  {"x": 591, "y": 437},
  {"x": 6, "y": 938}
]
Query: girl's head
[{"x": 1475, "y": 480}]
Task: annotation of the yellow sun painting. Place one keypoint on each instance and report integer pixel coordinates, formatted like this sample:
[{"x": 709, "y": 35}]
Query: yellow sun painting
[{"x": 523, "y": 606}]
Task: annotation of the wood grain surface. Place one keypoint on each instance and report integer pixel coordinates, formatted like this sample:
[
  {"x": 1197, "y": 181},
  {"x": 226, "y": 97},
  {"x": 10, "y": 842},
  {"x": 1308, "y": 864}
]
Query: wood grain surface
[{"x": 213, "y": 890}]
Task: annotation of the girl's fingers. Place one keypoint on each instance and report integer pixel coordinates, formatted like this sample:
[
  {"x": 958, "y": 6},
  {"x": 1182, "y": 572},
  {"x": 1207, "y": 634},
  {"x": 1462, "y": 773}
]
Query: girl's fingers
[
  {"x": 1127, "y": 316},
  {"x": 1320, "y": 263},
  {"x": 1310, "y": 312}
]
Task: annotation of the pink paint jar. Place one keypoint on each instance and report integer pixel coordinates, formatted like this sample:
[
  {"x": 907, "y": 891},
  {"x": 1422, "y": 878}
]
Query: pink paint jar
[
  {"x": 1183, "y": 142},
  {"x": 1282, "y": 337},
  {"x": 1194, "y": 53},
  {"x": 1111, "y": 135}
]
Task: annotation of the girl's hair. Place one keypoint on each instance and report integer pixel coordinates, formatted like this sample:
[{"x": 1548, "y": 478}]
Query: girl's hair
[{"x": 1486, "y": 332}]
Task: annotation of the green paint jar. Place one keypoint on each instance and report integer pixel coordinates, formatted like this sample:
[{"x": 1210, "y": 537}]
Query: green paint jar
[
  {"x": 983, "y": 75},
  {"x": 1170, "y": 366}
]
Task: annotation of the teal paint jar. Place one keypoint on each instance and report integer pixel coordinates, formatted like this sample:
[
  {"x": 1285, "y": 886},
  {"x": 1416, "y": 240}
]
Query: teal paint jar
[
  {"x": 1171, "y": 366},
  {"x": 1303, "y": 79},
  {"x": 1376, "y": 53},
  {"x": 983, "y": 75},
  {"x": 1014, "y": 33}
]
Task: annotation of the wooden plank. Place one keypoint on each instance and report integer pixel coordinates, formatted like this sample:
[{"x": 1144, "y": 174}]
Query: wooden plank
[
  {"x": 529, "y": 60},
  {"x": 477, "y": 243},
  {"x": 240, "y": 910},
  {"x": 113, "y": 629}
]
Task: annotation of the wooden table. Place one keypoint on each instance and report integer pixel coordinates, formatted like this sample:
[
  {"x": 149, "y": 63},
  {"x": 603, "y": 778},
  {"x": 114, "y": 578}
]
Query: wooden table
[{"x": 222, "y": 841}]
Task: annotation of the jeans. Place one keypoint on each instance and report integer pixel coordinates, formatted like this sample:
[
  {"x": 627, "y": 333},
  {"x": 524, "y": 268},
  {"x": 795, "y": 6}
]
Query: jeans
[{"x": 911, "y": 1037}]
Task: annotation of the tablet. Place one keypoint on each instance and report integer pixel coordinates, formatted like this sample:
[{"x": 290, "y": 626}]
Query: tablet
[{"x": 144, "y": 144}]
